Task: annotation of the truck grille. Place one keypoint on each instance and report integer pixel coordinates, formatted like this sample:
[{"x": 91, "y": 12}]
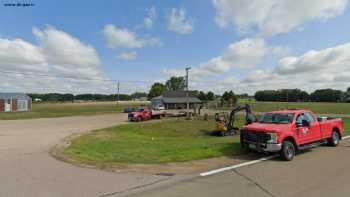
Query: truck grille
[{"x": 257, "y": 137}]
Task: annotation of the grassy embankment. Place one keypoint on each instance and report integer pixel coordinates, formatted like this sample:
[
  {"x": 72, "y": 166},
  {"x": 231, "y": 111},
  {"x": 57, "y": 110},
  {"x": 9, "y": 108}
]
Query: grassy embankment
[{"x": 156, "y": 142}]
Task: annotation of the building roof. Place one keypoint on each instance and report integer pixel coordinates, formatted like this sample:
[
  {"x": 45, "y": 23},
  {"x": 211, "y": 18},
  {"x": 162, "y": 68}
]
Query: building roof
[
  {"x": 177, "y": 97},
  {"x": 178, "y": 93},
  {"x": 181, "y": 100},
  {"x": 20, "y": 96}
]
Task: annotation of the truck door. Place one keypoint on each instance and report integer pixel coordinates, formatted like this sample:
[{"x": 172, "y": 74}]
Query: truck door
[
  {"x": 301, "y": 131},
  {"x": 314, "y": 128},
  {"x": 310, "y": 132}
]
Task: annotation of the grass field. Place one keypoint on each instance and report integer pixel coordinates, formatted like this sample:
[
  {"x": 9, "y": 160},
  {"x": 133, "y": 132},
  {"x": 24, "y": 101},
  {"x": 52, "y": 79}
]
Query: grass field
[
  {"x": 317, "y": 107},
  {"x": 51, "y": 110},
  {"x": 156, "y": 142}
]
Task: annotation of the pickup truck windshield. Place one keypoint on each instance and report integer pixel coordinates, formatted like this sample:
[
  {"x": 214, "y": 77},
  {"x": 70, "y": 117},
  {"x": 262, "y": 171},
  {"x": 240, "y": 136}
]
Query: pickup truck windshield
[{"x": 277, "y": 118}]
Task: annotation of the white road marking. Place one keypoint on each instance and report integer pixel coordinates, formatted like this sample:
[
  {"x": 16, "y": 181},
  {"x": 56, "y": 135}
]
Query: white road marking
[
  {"x": 346, "y": 137},
  {"x": 245, "y": 163},
  {"x": 237, "y": 166}
]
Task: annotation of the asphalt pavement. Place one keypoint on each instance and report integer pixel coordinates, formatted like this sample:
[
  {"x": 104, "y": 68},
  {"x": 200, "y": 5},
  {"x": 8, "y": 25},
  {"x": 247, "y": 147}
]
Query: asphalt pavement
[
  {"x": 28, "y": 170},
  {"x": 323, "y": 171}
]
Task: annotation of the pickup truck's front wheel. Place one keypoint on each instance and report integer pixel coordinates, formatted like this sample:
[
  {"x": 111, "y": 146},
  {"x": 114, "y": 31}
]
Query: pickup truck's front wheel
[
  {"x": 334, "y": 140},
  {"x": 288, "y": 151}
]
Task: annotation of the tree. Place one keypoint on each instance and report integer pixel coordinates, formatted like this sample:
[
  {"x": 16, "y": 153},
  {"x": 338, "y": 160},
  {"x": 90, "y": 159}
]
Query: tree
[
  {"x": 176, "y": 83},
  {"x": 136, "y": 95},
  {"x": 230, "y": 98},
  {"x": 290, "y": 95},
  {"x": 202, "y": 96},
  {"x": 157, "y": 89},
  {"x": 326, "y": 95},
  {"x": 266, "y": 95},
  {"x": 210, "y": 96}
]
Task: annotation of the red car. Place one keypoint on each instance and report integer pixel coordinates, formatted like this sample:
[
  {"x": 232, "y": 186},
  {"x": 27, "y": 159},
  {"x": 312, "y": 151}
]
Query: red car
[{"x": 288, "y": 131}]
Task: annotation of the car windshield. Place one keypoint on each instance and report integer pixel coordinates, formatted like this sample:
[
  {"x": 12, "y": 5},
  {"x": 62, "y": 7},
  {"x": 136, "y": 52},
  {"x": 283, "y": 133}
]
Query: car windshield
[{"x": 277, "y": 118}]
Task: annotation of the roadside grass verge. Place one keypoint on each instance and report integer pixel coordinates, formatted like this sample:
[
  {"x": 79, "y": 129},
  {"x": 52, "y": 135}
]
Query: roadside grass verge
[
  {"x": 175, "y": 140},
  {"x": 52, "y": 110},
  {"x": 157, "y": 142}
]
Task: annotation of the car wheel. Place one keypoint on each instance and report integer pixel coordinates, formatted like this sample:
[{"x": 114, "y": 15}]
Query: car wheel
[
  {"x": 334, "y": 140},
  {"x": 138, "y": 119},
  {"x": 288, "y": 151}
]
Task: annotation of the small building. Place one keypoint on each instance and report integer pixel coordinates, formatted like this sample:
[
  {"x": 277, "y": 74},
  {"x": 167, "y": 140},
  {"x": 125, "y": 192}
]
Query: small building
[
  {"x": 176, "y": 100},
  {"x": 12, "y": 102}
]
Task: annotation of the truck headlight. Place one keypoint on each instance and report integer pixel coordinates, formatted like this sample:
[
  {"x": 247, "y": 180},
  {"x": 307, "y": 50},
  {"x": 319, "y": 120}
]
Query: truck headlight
[{"x": 273, "y": 138}]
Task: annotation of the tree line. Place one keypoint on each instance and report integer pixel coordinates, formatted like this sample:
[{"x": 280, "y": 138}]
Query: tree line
[
  {"x": 296, "y": 95},
  {"x": 57, "y": 97}
]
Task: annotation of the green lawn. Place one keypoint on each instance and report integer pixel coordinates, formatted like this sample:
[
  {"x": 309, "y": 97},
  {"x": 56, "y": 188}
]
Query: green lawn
[
  {"x": 50, "y": 110},
  {"x": 155, "y": 142},
  {"x": 320, "y": 108}
]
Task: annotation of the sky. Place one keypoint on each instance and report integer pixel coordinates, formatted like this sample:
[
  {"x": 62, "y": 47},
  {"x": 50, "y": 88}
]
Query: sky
[{"x": 87, "y": 46}]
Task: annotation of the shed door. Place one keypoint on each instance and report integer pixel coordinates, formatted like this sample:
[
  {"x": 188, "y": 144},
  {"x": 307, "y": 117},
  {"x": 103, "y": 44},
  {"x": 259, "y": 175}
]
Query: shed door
[
  {"x": 7, "y": 105},
  {"x": 22, "y": 105}
]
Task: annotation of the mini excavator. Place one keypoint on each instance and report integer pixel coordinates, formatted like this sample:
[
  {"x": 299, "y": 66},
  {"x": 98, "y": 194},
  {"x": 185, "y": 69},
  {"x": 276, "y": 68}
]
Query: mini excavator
[{"x": 225, "y": 122}]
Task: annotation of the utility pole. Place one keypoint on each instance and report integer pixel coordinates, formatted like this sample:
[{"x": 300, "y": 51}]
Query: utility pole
[
  {"x": 118, "y": 86},
  {"x": 187, "y": 96}
]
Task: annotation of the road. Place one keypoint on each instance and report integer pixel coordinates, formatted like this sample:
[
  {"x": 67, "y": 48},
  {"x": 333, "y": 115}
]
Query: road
[
  {"x": 323, "y": 171},
  {"x": 27, "y": 169}
]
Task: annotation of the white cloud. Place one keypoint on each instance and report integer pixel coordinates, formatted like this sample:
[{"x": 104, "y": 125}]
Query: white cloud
[
  {"x": 149, "y": 19},
  {"x": 315, "y": 69},
  {"x": 67, "y": 54},
  {"x": 179, "y": 23},
  {"x": 244, "y": 54},
  {"x": 19, "y": 54},
  {"x": 123, "y": 38},
  {"x": 128, "y": 55},
  {"x": 58, "y": 53},
  {"x": 316, "y": 61},
  {"x": 271, "y": 17},
  {"x": 326, "y": 68}
]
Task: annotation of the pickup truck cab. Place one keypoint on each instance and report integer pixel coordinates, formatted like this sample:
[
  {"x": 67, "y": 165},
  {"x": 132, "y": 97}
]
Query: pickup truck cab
[{"x": 288, "y": 131}]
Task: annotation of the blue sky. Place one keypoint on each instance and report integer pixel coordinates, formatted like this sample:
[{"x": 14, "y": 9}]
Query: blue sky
[{"x": 230, "y": 44}]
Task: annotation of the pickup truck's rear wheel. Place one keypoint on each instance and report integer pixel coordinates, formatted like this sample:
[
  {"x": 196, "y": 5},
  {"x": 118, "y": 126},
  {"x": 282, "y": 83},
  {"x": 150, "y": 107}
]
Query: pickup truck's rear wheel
[
  {"x": 288, "y": 151},
  {"x": 334, "y": 140}
]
